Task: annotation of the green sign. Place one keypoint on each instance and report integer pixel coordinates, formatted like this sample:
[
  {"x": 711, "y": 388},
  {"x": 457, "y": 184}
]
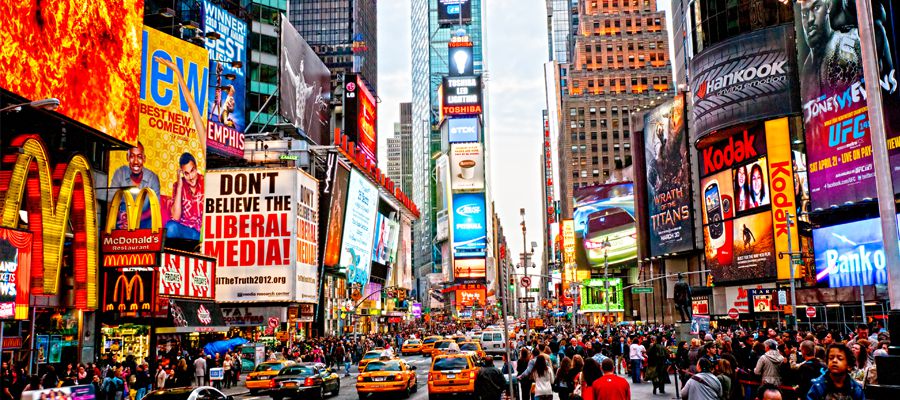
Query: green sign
[
  {"x": 594, "y": 295},
  {"x": 534, "y": 290},
  {"x": 640, "y": 290}
]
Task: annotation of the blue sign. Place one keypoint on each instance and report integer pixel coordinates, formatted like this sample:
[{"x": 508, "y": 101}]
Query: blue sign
[
  {"x": 227, "y": 80},
  {"x": 469, "y": 225},
  {"x": 462, "y": 129},
  {"x": 850, "y": 254}
]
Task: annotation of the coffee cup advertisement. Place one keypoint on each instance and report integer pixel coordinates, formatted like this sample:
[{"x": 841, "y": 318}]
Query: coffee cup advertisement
[{"x": 466, "y": 167}]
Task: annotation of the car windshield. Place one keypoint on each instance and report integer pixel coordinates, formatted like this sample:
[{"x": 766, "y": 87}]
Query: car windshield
[
  {"x": 450, "y": 364},
  {"x": 382, "y": 366},
  {"x": 298, "y": 370},
  {"x": 468, "y": 347},
  {"x": 372, "y": 355},
  {"x": 268, "y": 367},
  {"x": 430, "y": 340},
  {"x": 412, "y": 342},
  {"x": 174, "y": 394},
  {"x": 442, "y": 345}
]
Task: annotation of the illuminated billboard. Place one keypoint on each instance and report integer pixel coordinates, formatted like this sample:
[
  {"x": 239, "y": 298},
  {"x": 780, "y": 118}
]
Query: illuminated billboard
[
  {"x": 361, "y": 116},
  {"x": 227, "y": 63},
  {"x": 15, "y": 273},
  {"x": 461, "y": 95},
  {"x": 454, "y": 12},
  {"x": 471, "y": 297},
  {"x": 596, "y": 296},
  {"x": 336, "y": 193},
  {"x": 462, "y": 63},
  {"x": 80, "y": 52},
  {"x": 469, "y": 268},
  {"x": 305, "y": 84},
  {"x": 463, "y": 129},
  {"x": 466, "y": 167},
  {"x": 170, "y": 154},
  {"x": 850, "y": 254},
  {"x": 469, "y": 233},
  {"x": 359, "y": 229},
  {"x": 605, "y": 213}
]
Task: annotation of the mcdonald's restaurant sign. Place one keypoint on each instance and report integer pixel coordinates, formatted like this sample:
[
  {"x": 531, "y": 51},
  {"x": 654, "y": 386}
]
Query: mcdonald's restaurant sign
[
  {"x": 141, "y": 231},
  {"x": 53, "y": 193},
  {"x": 129, "y": 293}
]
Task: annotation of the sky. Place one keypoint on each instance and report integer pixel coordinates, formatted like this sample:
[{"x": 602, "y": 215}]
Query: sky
[{"x": 515, "y": 52}]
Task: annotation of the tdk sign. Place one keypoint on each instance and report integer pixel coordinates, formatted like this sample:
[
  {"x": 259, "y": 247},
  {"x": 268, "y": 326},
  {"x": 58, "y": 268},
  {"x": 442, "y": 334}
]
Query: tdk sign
[
  {"x": 453, "y": 9},
  {"x": 462, "y": 130}
]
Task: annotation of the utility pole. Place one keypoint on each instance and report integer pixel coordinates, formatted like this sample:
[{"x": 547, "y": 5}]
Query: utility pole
[
  {"x": 605, "y": 245},
  {"x": 525, "y": 263}
]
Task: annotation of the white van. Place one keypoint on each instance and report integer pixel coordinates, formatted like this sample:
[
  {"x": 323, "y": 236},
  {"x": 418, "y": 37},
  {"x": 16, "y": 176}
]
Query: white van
[{"x": 492, "y": 342}]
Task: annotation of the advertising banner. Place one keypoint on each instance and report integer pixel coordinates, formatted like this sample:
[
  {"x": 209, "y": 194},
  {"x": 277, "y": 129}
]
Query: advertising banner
[
  {"x": 783, "y": 194},
  {"x": 469, "y": 233},
  {"x": 850, "y": 254},
  {"x": 462, "y": 63},
  {"x": 461, "y": 95},
  {"x": 886, "y": 14},
  {"x": 668, "y": 179},
  {"x": 471, "y": 297},
  {"x": 744, "y": 79},
  {"x": 754, "y": 255},
  {"x": 833, "y": 98},
  {"x": 15, "y": 273},
  {"x": 404, "y": 254},
  {"x": 83, "y": 392},
  {"x": 129, "y": 293},
  {"x": 80, "y": 59},
  {"x": 594, "y": 295},
  {"x": 466, "y": 167},
  {"x": 463, "y": 130},
  {"x": 227, "y": 80},
  {"x": 454, "y": 12},
  {"x": 606, "y": 213},
  {"x": 359, "y": 229},
  {"x": 332, "y": 254},
  {"x": 738, "y": 298},
  {"x": 367, "y": 121},
  {"x": 307, "y": 242},
  {"x": 170, "y": 155},
  {"x": 253, "y": 316},
  {"x": 469, "y": 268},
  {"x": 568, "y": 236},
  {"x": 305, "y": 84},
  {"x": 187, "y": 275},
  {"x": 250, "y": 227}
]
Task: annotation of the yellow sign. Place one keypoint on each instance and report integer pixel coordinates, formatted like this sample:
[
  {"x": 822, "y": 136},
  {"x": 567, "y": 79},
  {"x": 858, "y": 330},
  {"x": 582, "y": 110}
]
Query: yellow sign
[
  {"x": 568, "y": 232},
  {"x": 781, "y": 182},
  {"x": 133, "y": 209},
  {"x": 76, "y": 190}
]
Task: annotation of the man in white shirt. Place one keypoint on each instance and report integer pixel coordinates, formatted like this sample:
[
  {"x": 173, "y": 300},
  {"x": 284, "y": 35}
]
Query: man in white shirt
[{"x": 636, "y": 352}]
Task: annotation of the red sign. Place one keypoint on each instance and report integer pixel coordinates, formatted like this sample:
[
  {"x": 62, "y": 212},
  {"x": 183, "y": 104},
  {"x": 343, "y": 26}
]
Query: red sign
[
  {"x": 733, "y": 313},
  {"x": 183, "y": 275},
  {"x": 526, "y": 282},
  {"x": 137, "y": 241},
  {"x": 468, "y": 297},
  {"x": 12, "y": 343},
  {"x": 129, "y": 260},
  {"x": 462, "y": 110},
  {"x": 738, "y": 148},
  {"x": 366, "y": 122},
  {"x": 811, "y": 312}
]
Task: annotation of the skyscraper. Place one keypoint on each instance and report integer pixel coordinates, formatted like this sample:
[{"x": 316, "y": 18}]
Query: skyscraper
[
  {"x": 338, "y": 31},
  {"x": 620, "y": 63},
  {"x": 394, "y": 157},
  {"x": 406, "y": 149}
]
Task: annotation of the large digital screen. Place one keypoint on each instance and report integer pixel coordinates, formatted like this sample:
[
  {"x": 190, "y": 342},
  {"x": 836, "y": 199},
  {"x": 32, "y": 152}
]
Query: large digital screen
[
  {"x": 469, "y": 225},
  {"x": 597, "y": 295},
  {"x": 463, "y": 129},
  {"x": 387, "y": 233},
  {"x": 668, "y": 179},
  {"x": 359, "y": 229},
  {"x": 305, "y": 84},
  {"x": 226, "y": 79},
  {"x": 606, "y": 213},
  {"x": 833, "y": 99},
  {"x": 367, "y": 121},
  {"x": 337, "y": 208},
  {"x": 15, "y": 273},
  {"x": 466, "y": 167},
  {"x": 471, "y": 297},
  {"x": 80, "y": 52},
  {"x": 469, "y": 268},
  {"x": 170, "y": 153},
  {"x": 461, "y": 95},
  {"x": 250, "y": 227},
  {"x": 462, "y": 63},
  {"x": 454, "y": 12},
  {"x": 850, "y": 254}
]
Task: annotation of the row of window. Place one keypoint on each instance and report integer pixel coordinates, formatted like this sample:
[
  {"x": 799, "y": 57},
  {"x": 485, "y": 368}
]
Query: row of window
[
  {"x": 576, "y": 136},
  {"x": 719, "y": 20}
]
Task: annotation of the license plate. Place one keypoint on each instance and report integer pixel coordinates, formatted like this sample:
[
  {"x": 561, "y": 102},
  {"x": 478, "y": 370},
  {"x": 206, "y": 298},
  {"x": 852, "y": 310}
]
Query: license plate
[
  {"x": 290, "y": 384},
  {"x": 379, "y": 379},
  {"x": 451, "y": 376},
  {"x": 496, "y": 346}
]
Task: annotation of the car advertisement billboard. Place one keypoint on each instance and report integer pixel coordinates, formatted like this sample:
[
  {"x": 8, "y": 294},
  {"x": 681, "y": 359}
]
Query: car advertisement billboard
[
  {"x": 833, "y": 99},
  {"x": 359, "y": 229},
  {"x": 170, "y": 154},
  {"x": 743, "y": 79},
  {"x": 461, "y": 130},
  {"x": 850, "y": 254},
  {"x": 738, "y": 230},
  {"x": 306, "y": 202},
  {"x": 337, "y": 190},
  {"x": 79, "y": 53},
  {"x": 605, "y": 213},
  {"x": 668, "y": 179},
  {"x": 454, "y": 12},
  {"x": 250, "y": 228},
  {"x": 305, "y": 84},
  {"x": 466, "y": 167},
  {"x": 226, "y": 79},
  {"x": 469, "y": 233}
]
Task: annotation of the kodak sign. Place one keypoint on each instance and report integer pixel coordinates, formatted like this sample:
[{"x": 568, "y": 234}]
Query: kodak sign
[
  {"x": 781, "y": 181},
  {"x": 132, "y": 239},
  {"x": 53, "y": 193}
]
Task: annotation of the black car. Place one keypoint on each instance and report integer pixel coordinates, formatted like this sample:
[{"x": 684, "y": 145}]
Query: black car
[{"x": 304, "y": 380}]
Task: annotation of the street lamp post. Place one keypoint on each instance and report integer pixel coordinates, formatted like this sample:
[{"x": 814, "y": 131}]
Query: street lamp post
[
  {"x": 525, "y": 263},
  {"x": 605, "y": 246}
]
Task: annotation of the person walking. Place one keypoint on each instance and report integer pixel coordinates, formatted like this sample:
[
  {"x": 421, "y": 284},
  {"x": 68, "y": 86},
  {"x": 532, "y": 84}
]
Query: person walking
[
  {"x": 200, "y": 370},
  {"x": 610, "y": 386},
  {"x": 489, "y": 383},
  {"x": 658, "y": 364},
  {"x": 767, "y": 365},
  {"x": 543, "y": 378},
  {"x": 522, "y": 365},
  {"x": 636, "y": 355},
  {"x": 565, "y": 379},
  {"x": 703, "y": 385}
]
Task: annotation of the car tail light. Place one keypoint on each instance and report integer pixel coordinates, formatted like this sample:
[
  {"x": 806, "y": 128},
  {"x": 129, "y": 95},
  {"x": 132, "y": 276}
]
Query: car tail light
[
  {"x": 398, "y": 377},
  {"x": 359, "y": 378},
  {"x": 433, "y": 376},
  {"x": 272, "y": 383},
  {"x": 309, "y": 382},
  {"x": 471, "y": 374}
]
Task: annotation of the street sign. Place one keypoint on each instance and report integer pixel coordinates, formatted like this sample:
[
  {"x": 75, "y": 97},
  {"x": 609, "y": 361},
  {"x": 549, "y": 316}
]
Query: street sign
[
  {"x": 526, "y": 299},
  {"x": 639, "y": 290},
  {"x": 526, "y": 281},
  {"x": 811, "y": 312},
  {"x": 733, "y": 313},
  {"x": 782, "y": 297}
]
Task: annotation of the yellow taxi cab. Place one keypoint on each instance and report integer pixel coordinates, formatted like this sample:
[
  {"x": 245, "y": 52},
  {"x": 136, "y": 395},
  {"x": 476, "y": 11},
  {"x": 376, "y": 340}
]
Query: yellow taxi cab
[
  {"x": 371, "y": 355},
  {"x": 263, "y": 376},
  {"x": 411, "y": 346},
  {"x": 452, "y": 374},
  {"x": 474, "y": 347},
  {"x": 387, "y": 376},
  {"x": 441, "y": 347},
  {"x": 428, "y": 344}
]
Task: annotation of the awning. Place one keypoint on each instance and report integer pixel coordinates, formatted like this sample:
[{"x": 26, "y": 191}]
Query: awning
[{"x": 194, "y": 316}]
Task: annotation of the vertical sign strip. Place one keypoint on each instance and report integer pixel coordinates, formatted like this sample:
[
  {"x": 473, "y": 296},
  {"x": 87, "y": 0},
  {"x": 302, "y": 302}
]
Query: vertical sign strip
[{"x": 781, "y": 183}]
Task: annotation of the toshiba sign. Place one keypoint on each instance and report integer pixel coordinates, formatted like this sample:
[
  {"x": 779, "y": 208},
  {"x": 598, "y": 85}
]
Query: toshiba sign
[{"x": 747, "y": 78}]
